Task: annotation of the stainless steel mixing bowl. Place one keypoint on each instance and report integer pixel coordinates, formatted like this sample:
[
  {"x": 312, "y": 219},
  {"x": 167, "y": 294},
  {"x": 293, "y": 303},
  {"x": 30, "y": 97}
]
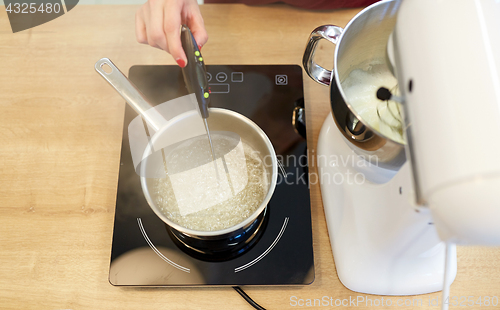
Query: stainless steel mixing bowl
[{"x": 364, "y": 39}]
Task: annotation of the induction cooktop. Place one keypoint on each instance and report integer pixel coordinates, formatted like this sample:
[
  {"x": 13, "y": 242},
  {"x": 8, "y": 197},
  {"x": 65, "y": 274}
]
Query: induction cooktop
[{"x": 143, "y": 253}]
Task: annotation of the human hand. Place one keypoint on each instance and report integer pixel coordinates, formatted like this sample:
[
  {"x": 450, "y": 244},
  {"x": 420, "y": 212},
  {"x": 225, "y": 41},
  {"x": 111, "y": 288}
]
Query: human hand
[{"x": 158, "y": 23}]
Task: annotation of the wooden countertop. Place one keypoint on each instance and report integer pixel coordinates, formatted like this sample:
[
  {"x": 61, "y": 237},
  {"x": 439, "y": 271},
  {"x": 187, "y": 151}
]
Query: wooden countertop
[{"x": 60, "y": 136}]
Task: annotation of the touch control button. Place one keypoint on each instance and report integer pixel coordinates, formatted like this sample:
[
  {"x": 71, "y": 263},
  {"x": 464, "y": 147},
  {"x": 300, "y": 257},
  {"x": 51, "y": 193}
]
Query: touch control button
[
  {"x": 209, "y": 77},
  {"x": 237, "y": 77},
  {"x": 221, "y": 77}
]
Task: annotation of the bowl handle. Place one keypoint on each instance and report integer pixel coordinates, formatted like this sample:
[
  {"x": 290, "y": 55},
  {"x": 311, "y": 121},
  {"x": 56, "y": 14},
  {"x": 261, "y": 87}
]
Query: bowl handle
[{"x": 316, "y": 72}]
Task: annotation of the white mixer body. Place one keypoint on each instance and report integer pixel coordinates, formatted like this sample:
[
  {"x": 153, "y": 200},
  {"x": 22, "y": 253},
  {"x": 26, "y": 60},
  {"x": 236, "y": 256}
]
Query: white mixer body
[
  {"x": 447, "y": 56},
  {"x": 382, "y": 242}
]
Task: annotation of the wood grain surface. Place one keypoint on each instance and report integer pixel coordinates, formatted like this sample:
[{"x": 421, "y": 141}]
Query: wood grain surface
[{"x": 60, "y": 139}]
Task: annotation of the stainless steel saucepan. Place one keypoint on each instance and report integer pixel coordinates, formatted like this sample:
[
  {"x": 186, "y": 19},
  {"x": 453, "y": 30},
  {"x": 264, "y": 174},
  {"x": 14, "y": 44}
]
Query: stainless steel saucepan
[{"x": 209, "y": 245}]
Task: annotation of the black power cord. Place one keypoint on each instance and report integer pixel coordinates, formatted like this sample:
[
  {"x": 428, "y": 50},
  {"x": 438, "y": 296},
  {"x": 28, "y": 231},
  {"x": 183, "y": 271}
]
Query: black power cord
[{"x": 247, "y": 298}]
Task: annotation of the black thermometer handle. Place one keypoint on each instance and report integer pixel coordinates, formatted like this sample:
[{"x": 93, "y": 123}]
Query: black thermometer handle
[{"x": 195, "y": 73}]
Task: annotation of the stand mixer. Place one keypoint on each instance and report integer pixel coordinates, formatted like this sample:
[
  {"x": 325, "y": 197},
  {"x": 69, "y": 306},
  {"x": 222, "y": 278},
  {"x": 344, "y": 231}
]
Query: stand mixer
[{"x": 391, "y": 221}]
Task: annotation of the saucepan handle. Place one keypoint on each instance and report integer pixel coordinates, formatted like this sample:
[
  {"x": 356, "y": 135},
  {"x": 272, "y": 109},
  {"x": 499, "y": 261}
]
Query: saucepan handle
[
  {"x": 134, "y": 97},
  {"x": 330, "y": 33}
]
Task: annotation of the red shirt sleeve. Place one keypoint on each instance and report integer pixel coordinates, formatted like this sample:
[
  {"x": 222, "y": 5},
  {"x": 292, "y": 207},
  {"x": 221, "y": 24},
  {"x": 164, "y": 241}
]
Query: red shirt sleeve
[{"x": 305, "y": 4}]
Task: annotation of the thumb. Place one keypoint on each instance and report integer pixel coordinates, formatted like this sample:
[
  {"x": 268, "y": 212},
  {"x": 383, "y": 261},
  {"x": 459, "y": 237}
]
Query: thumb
[
  {"x": 200, "y": 34},
  {"x": 197, "y": 27}
]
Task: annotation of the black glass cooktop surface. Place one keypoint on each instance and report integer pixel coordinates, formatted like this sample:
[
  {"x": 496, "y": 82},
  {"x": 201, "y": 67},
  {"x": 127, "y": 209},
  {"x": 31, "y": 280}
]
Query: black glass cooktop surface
[{"x": 143, "y": 253}]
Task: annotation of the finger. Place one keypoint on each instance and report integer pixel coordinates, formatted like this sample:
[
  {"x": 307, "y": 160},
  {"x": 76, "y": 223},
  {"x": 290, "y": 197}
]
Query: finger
[
  {"x": 197, "y": 26},
  {"x": 172, "y": 30},
  {"x": 155, "y": 31},
  {"x": 140, "y": 28},
  {"x": 147, "y": 21},
  {"x": 200, "y": 34},
  {"x": 150, "y": 40}
]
